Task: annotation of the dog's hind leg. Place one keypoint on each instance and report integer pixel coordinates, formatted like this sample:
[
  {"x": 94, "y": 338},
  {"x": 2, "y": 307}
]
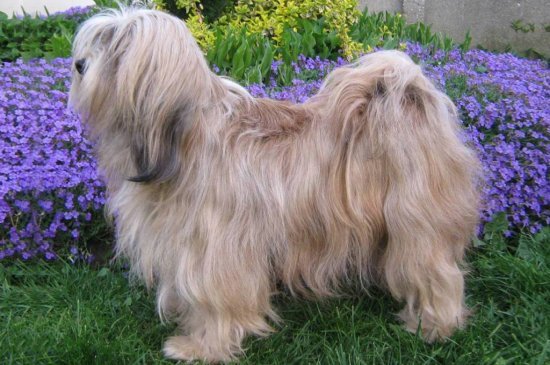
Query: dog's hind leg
[
  {"x": 424, "y": 271},
  {"x": 431, "y": 200},
  {"x": 430, "y": 215}
]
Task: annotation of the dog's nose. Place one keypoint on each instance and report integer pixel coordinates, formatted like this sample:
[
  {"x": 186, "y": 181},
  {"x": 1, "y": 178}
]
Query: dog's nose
[{"x": 80, "y": 65}]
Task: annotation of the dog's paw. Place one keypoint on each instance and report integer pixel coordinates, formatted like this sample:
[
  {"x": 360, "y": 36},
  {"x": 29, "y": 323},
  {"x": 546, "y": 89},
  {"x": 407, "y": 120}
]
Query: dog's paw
[
  {"x": 432, "y": 329},
  {"x": 189, "y": 349},
  {"x": 181, "y": 348}
]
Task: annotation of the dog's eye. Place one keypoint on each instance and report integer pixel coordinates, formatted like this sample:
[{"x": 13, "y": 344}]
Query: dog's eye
[{"x": 80, "y": 65}]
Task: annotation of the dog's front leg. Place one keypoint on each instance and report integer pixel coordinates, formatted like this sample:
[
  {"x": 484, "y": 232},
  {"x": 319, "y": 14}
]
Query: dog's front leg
[{"x": 227, "y": 292}]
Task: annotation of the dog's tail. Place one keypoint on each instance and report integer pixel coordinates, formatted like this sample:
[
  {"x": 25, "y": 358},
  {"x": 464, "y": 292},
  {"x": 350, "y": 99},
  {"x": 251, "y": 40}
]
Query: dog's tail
[{"x": 429, "y": 196}]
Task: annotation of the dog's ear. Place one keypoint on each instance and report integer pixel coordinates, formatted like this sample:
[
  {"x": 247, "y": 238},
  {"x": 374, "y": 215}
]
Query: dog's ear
[{"x": 157, "y": 153}]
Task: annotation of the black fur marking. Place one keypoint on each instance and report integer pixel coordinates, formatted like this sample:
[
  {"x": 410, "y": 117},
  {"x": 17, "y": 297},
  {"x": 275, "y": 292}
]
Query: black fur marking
[
  {"x": 380, "y": 89},
  {"x": 413, "y": 97},
  {"x": 168, "y": 162}
]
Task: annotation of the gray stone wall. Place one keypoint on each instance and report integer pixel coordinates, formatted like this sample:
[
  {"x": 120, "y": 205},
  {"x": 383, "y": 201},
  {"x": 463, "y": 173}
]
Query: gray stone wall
[
  {"x": 489, "y": 21},
  {"x": 376, "y": 6}
]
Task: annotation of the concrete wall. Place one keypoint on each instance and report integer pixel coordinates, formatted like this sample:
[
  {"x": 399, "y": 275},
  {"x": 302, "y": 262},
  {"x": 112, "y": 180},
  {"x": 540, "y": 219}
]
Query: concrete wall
[
  {"x": 489, "y": 21},
  {"x": 382, "y": 5}
]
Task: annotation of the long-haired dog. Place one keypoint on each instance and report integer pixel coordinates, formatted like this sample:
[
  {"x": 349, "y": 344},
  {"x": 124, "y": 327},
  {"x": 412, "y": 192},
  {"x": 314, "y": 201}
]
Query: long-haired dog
[{"x": 219, "y": 197}]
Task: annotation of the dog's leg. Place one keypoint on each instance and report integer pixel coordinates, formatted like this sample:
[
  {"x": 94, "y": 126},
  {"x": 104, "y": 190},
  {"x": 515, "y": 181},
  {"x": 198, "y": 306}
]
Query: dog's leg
[
  {"x": 214, "y": 336},
  {"x": 228, "y": 297},
  {"x": 429, "y": 222},
  {"x": 211, "y": 337},
  {"x": 429, "y": 212},
  {"x": 428, "y": 278},
  {"x": 431, "y": 200}
]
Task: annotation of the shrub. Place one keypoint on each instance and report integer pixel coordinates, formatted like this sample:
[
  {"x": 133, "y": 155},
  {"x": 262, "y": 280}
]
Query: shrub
[
  {"x": 387, "y": 30},
  {"x": 244, "y": 38},
  {"x": 33, "y": 37},
  {"x": 248, "y": 57},
  {"x": 270, "y": 19},
  {"x": 254, "y": 31},
  {"x": 211, "y": 9}
]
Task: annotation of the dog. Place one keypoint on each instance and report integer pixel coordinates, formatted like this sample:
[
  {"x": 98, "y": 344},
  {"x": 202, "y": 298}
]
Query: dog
[{"x": 219, "y": 198}]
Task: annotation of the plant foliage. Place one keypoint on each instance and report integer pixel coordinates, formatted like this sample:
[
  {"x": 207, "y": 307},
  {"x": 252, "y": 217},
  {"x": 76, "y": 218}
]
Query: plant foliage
[{"x": 39, "y": 37}]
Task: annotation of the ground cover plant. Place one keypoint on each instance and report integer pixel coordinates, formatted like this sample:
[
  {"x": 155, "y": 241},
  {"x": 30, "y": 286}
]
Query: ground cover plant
[
  {"x": 49, "y": 184},
  {"x": 50, "y": 188}
]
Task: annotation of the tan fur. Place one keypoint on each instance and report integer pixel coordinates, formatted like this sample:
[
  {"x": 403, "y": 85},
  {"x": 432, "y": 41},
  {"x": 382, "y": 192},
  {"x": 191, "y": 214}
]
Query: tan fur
[{"x": 218, "y": 196}]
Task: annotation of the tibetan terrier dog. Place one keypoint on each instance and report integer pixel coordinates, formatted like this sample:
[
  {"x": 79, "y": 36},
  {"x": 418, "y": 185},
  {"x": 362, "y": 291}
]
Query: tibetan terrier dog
[{"x": 219, "y": 197}]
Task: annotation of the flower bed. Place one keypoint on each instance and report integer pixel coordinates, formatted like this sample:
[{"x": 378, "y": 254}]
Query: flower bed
[
  {"x": 49, "y": 187},
  {"x": 50, "y": 190},
  {"x": 503, "y": 101}
]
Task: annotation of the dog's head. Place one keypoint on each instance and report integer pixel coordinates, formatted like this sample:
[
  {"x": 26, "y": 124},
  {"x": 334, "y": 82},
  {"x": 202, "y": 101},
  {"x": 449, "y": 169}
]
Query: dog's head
[{"x": 139, "y": 74}]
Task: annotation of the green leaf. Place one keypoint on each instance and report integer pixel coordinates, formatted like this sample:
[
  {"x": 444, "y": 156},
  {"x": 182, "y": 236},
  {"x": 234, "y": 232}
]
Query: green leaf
[
  {"x": 103, "y": 272},
  {"x": 308, "y": 42},
  {"x": 333, "y": 40},
  {"x": 267, "y": 59},
  {"x": 128, "y": 301},
  {"x": 238, "y": 67},
  {"x": 226, "y": 49},
  {"x": 58, "y": 46},
  {"x": 498, "y": 224},
  {"x": 464, "y": 46},
  {"x": 254, "y": 75},
  {"x": 286, "y": 74},
  {"x": 212, "y": 53},
  {"x": 247, "y": 56},
  {"x": 530, "y": 248},
  {"x": 476, "y": 242},
  {"x": 285, "y": 49},
  {"x": 391, "y": 43},
  {"x": 295, "y": 45},
  {"x": 493, "y": 232},
  {"x": 480, "y": 69},
  {"x": 324, "y": 52}
]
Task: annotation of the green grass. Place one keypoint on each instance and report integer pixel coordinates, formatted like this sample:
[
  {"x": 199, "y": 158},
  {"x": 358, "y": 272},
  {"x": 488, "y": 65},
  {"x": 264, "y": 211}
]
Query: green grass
[{"x": 62, "y": 314}]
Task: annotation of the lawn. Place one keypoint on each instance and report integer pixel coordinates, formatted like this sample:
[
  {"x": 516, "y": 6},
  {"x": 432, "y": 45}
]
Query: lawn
[{"x": 59, "y": 313}]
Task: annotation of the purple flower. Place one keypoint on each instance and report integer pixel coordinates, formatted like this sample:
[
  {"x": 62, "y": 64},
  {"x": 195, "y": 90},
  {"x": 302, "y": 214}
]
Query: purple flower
[
  {"x": 46, "y": 205},
  {"x": 50, "y": 189},
  {"x": 45, "y": 161}
]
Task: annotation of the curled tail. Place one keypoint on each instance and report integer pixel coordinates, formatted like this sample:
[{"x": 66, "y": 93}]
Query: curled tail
[{"x": 430, "y": 201}]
